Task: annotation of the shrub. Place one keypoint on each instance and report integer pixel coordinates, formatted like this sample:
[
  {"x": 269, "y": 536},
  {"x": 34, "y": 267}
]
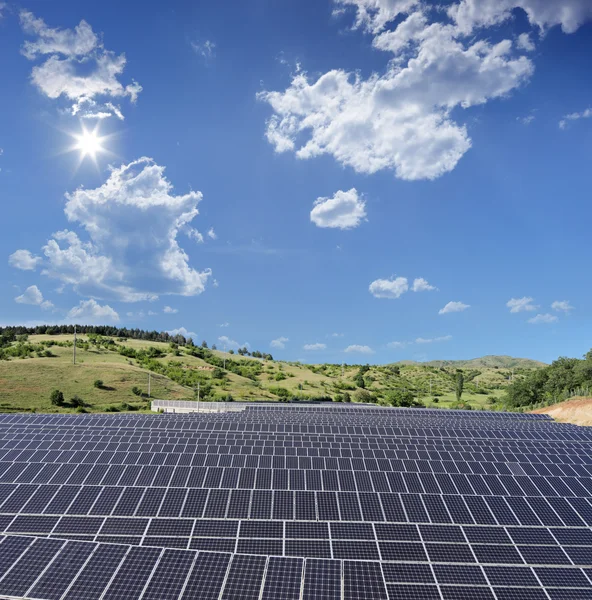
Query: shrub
[
  {"x": 280, "y": 376},
  {"x": 98, "y": 383},
  {"x": 111, "y": 409},
  {"x": 364, "y": 396},
  {"x": 136, "y": 391},
  {"x": 81, "y": 409},
  {"x": 56, "y": 398},
  {"x": 346, "y": 397},
  {"x": 338, "y": 398},
  {"x": 76, "y": 401},
  {"x": 435, "y": 400}
]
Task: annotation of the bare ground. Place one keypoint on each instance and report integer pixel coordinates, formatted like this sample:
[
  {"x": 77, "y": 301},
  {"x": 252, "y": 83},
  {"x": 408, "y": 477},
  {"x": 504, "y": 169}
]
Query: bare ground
[{"x": 576, "y": 410}]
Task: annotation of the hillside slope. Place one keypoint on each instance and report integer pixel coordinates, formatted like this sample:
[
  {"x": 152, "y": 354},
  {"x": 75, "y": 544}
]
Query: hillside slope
[
  {"x": 575, "y": 410},
  {"x": 490, "y": 362},
  {"x": 43, "y": 363}
]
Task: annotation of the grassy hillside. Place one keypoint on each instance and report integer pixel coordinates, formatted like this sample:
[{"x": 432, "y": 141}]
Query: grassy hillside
[
  {"x": 32, "y": 368},
  {"x": 491, "y": 362}
]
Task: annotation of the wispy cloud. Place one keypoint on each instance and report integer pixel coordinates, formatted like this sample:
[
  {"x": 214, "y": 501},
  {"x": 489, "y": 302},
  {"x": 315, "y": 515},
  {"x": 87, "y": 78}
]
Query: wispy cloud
[
  {"x": 575, "y": 116},
  {"x": 170, "y": 311},
  {"x": 279, "y": 343},
  {"x": 543, "y": 318},
  {"x": 206, "y": 49},
  {"x": 454, "y": 307},
  {"x": 313, "y": 347},
  {"x": 524, "y": 304},
  {"x": 359, "y": 349},
  {"x": 562, "y": 306}
]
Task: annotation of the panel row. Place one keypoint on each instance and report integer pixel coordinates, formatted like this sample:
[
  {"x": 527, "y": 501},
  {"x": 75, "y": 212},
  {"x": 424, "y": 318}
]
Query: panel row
[{"x": 298, "y": 505}]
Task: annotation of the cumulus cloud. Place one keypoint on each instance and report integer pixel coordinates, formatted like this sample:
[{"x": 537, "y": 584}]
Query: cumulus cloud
[
  {"x": 357, "y": 348},
  {"x": 169, "y": 310},
  {"x": 525, "y": 42},
  {"x": 400, "y": 120},
  {"x": 576, "y": 116},
  {"x": 312, "y": 347},
  {"x": 92, "y": 313},
  {"x": 279, "y": 343},
  {"x": 77, "y": 67},
  {"x": 23, "y": 259},
  {"x": 421, "y": 285},
  {"x": 345, "y": 210},
  {"x": 182, "y": 331},
  {"x": 453, "y": 307},
  {"x": 543, "y": 318},
  {"x": 132, "y": 220},
  {"x": 373, "y": 15},
  {"x": 562, "y": 306},
  {"x": 224, "y": 339},
  {"x": 569, "y": 14},
  {"x": 33, "y": 296},
  {"x": 517, "y": 305},
  {"x": 389, "y": 288}
]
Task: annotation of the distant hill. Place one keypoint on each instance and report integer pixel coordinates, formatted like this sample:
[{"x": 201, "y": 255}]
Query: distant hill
[{"x": 488, "y": 362}]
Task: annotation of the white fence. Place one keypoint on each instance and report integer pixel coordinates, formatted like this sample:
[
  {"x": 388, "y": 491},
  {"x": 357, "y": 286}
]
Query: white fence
[{"x": 186, "y": 406}]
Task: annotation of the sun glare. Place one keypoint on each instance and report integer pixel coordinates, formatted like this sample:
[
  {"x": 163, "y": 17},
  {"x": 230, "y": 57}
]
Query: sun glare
[{"x": 89, "y": 143}]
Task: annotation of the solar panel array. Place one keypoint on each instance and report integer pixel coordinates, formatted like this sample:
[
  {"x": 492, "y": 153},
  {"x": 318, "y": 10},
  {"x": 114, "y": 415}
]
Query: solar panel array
[{"x": 295, "y": 502}]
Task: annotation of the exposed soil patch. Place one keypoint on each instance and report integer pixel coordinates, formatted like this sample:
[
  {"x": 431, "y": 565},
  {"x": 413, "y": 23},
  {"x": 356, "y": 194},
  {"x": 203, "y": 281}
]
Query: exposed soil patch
[{"x": 576, "y": 410}]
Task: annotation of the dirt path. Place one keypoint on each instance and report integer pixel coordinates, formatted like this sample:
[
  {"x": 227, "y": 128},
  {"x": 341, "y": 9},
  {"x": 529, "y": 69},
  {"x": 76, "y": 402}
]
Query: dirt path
[{"x": 576, "y": 410}]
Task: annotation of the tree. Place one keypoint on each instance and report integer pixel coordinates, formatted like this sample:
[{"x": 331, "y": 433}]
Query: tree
[
  {"x": 346, "y": 397},
  {"x": 204, "y": 344},
  {"x": 56, "y": 398},
  {"x": 98, "y": 383},
  {"x": 399, "y": 397},
  {"x": 364, "y": 396},
  {"x": 359, "y": 381},
  {"x": 460, "y": 384},
  {"x": 76, "y": 401},
  {"x": 214, "y": 347}
]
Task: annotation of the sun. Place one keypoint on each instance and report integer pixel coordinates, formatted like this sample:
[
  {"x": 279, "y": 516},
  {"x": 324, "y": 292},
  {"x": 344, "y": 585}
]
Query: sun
[{"x": 89, "y": 143}]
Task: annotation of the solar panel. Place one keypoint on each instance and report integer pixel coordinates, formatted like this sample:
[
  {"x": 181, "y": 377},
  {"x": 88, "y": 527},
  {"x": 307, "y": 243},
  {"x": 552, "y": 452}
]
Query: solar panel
[{"x": 334, "y": 501}]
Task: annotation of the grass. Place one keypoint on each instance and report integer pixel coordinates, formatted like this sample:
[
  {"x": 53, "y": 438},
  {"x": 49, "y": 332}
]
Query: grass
[{"x": 26, "y": 384}]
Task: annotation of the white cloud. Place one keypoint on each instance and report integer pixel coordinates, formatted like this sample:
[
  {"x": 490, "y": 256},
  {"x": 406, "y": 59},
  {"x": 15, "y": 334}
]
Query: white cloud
[
  {"x": 279, "y": 343},
  {"x": 576, "y": 116},
  {"x": 207, "y": 49},
  {"x": 133, "y": 220},
  {"x": 226, "y": 324},
  {"x": 444, "y": 338},
  {"x": 396, "y": 345},
  {"x": 570, "y": 14},
  {"x": 182, "y": 331},
  {"x": 224, "y": 339},
  {"x": 78, "y": 67},
  {"x": 23, "y": 259},
  {"x": 212, "y": 234},
  {"x": 525, "y": 42},
  {"x": 33, "y": 296},
  {"x": 91, "y": 313},
  {"x": 526, "y": 120},
  {"x": 421, "y": 285},
  {"x": 336, "y": 335},
  {"x": 345, "y": 210},
  {"x": 312, "y": 347},
  {"x": 389, "y": 288},
  {"x": 169, "y": 310},
  {"x": 453, "y": 307},
  {"x": 562, "y": 306},
  {"x": 400, "y": 120},
  {"x": 373, "y": 15},
  {"x": 151, "y": 313},
  {"x": 356, "y": 348},
  {"x": 546, "y": 318},
  {"x": 194, "y": 234},
  {"x": 517, "y": 305}
]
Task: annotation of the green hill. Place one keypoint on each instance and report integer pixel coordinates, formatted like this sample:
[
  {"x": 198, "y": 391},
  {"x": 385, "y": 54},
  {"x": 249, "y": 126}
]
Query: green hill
[
  {"x": 31, "y": 367},
  {"x": 491, "y": 362}
]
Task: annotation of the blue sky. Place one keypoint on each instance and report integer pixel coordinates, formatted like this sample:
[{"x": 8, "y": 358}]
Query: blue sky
[{"x": 328, "y": 180}]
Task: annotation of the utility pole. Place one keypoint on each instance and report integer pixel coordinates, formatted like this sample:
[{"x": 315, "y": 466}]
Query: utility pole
[
  {"x": 74, "y": 357},
  {"x": 149, "y": 383}
]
